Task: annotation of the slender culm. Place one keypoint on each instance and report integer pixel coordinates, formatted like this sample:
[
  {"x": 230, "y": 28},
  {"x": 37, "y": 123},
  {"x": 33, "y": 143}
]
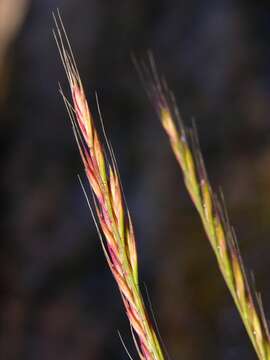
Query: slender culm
[
  {"x": 210, "y": 208},
  {"x": 118, "y": 240}
]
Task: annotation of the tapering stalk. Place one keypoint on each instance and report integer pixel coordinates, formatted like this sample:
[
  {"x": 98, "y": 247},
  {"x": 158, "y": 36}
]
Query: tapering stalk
[
  {"x": 211, "y": 210},
  {"x": 115, "y": 223}
]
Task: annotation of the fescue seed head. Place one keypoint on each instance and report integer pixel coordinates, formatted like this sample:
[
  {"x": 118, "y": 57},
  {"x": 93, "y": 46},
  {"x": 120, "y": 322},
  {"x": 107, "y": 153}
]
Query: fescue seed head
[
  {"x": 211, "y": 210},
  {"x": 119, "y": 244}
]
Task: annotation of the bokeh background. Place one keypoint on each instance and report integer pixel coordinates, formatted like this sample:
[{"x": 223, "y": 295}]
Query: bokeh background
[{"x": 58, "y": 298}]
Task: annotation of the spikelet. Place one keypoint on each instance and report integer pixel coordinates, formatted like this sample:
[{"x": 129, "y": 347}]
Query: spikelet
[
  {"x": 211, "y": 209},
  {"x": 119, "y": 245}
]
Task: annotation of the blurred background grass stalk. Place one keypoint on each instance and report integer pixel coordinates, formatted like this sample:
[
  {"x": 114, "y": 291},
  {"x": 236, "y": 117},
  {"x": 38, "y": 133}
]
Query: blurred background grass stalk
[
  {"x": 211, "y": 210},
  {"x": 113, "y": 215},
  {"x": 12, "y": 14}
]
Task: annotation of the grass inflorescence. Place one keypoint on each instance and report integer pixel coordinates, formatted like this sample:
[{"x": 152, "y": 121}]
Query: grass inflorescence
[
  {"x": 211, "y": 208},
  {"x": 116, "y": 230}
]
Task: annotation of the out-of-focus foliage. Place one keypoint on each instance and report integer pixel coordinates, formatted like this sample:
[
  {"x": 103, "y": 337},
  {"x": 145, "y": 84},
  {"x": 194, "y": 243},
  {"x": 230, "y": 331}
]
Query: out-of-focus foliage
[
  {"x": 58, "y": 298},
  {"x": 12, "y": 13}
]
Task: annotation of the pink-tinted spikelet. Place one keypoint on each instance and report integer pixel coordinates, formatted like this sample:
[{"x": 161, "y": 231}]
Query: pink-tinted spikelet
[{"x": 113, "y": 215}]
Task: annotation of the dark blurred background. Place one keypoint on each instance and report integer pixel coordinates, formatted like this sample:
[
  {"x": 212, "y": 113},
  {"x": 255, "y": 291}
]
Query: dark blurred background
[{"x": 58, "y": 298}]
